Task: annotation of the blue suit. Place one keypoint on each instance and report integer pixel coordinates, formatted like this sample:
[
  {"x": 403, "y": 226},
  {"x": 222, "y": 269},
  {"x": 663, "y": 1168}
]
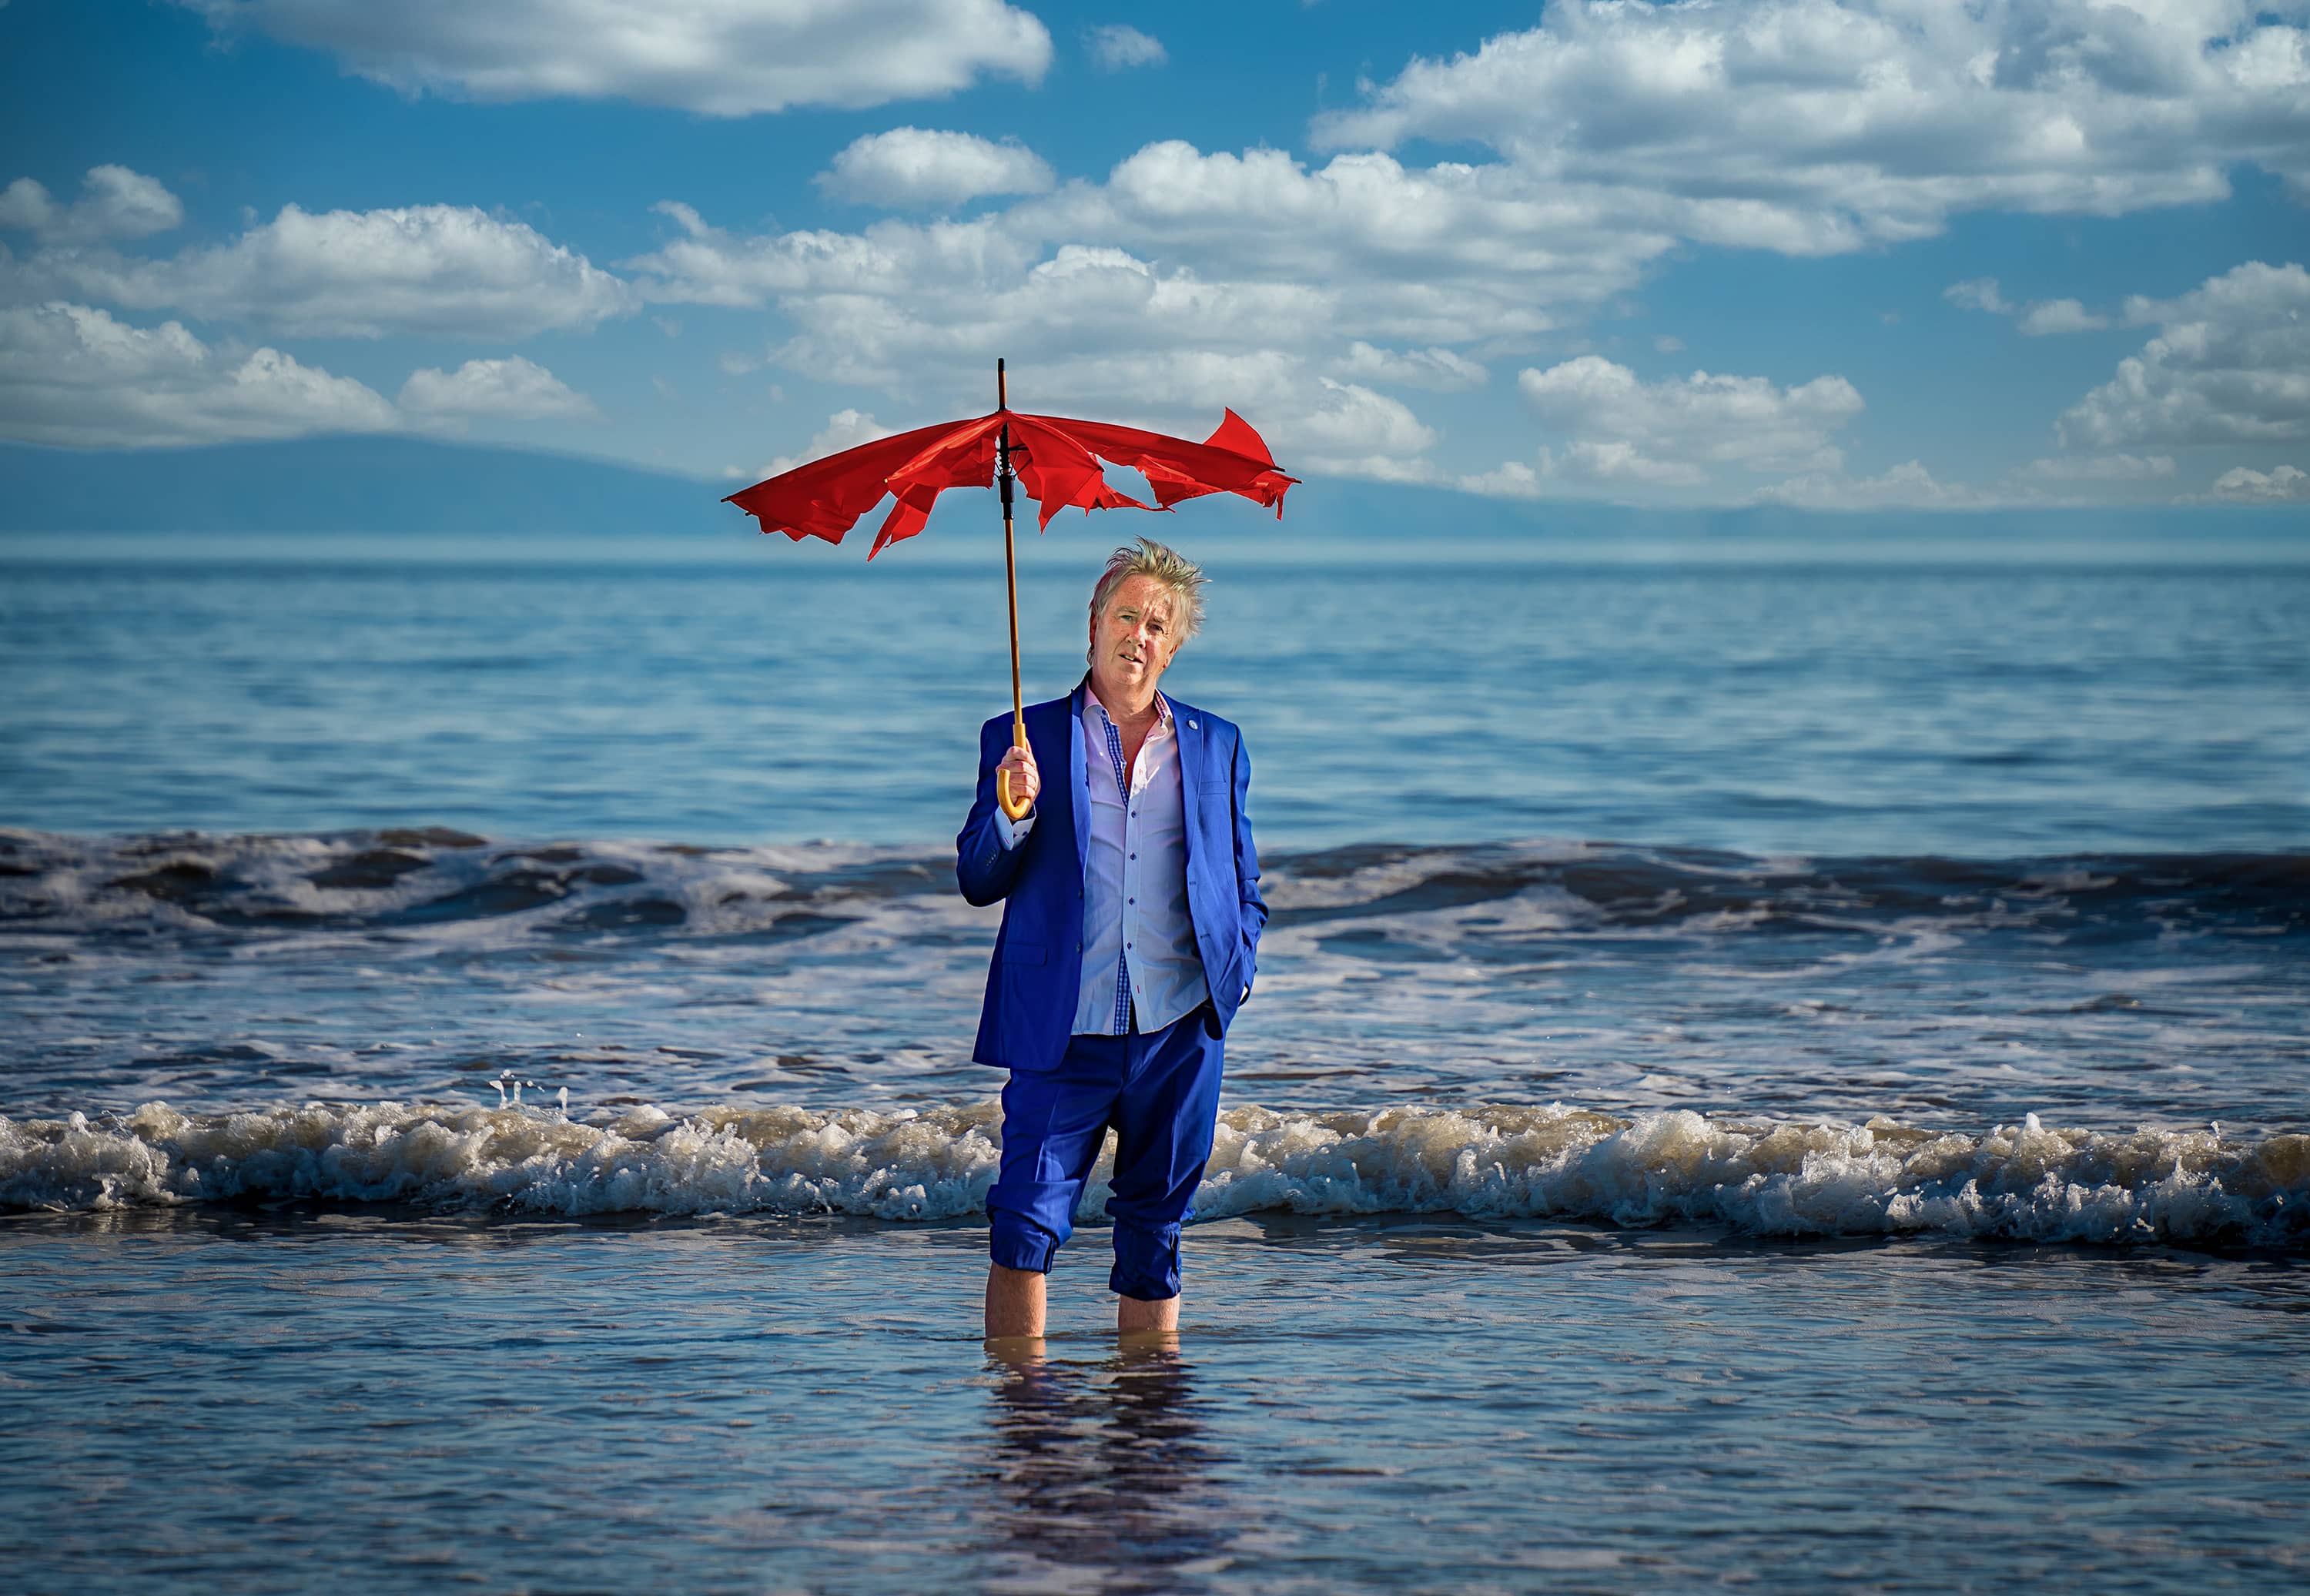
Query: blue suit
[
  {"x": 1037, "y": 975},
  {"x": 1160, "y": 1091}
]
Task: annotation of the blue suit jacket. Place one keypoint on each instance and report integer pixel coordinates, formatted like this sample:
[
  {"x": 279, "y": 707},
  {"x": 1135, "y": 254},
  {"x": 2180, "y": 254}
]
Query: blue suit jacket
[{"x": 1036, "y": 979}]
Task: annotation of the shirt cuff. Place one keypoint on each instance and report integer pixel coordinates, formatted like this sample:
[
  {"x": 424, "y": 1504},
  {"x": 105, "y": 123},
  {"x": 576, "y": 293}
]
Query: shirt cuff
[{"x": 1014, "y": 832}]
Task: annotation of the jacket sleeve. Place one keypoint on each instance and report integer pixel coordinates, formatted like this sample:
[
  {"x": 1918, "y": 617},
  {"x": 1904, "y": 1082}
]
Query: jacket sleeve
[
  {"x": 1246, "y": 866},
  {"x": 984, "y": 868}
]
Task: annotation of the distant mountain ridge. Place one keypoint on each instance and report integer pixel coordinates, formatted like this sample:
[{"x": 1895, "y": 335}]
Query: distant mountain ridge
[
  {"x": 348, "y": 484},
  {"x": 412, "y": 485}
]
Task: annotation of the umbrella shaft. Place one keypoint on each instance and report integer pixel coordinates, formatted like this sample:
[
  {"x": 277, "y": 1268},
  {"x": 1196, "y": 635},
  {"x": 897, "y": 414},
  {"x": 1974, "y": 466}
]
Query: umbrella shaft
[
  {"x": 1002, "y": 474},
  {"x": 1010, "y": 575}
]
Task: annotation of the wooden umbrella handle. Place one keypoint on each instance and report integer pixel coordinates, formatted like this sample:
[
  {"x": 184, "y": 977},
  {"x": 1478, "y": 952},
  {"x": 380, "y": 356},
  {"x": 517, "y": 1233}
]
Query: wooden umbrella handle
[{"x": 1015, "y": 808}]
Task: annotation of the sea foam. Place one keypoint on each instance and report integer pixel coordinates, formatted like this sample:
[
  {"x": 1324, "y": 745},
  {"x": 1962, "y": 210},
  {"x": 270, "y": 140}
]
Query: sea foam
[{"x": 2029, "y": 1182}]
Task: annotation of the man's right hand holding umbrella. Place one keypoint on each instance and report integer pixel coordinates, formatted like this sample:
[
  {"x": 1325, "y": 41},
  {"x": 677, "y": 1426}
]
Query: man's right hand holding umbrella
[{"x": 1025, "y": 781}]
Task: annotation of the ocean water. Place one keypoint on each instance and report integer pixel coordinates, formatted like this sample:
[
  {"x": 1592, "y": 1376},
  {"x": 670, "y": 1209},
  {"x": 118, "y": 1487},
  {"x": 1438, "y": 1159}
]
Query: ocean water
[
  {"x": 1764, "y": 1063},
  {"x": 291, "y": 1398}
]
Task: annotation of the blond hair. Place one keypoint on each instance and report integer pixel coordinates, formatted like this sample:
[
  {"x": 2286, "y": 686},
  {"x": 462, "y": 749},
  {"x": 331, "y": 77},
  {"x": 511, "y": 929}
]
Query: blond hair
[{"x": 1174, "y": 571}]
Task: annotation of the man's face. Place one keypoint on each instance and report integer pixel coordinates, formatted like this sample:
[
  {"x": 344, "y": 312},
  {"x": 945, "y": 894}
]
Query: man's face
[{"x": 1133, "y": 639}]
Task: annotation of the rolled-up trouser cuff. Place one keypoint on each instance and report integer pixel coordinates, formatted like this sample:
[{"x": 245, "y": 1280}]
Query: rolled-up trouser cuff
[
  {"x": 1017, "y": 1241},
  {"x": 1146, "y": 1262}
]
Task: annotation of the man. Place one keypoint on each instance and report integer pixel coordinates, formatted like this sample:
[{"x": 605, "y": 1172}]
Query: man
[{"x": 1131, "y": 922}]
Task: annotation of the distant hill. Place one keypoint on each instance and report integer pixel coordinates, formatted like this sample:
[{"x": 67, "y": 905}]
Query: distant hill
[
  {"x": 409, "y": 485},
  {"x": 348, "y": 484}
]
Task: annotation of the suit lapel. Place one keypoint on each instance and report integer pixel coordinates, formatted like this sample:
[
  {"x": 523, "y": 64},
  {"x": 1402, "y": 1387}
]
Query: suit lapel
[
  {"x": 1186, "y": 727},
  {"x": 1078, "y": 779}
]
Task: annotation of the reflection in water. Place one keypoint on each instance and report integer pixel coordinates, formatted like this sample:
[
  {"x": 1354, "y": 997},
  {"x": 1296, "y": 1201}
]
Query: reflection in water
[{"x": 1102, "y": 1474}]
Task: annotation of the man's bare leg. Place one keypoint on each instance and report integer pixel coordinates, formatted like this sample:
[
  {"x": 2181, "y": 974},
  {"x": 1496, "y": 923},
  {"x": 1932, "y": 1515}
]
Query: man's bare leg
[
  {"x": 1134, "y": 1315},
  {"x": 1014, "y": 1303}
]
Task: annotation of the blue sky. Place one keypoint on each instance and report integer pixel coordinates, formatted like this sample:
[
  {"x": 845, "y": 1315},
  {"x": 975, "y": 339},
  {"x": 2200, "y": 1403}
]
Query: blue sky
[{"x": 1840, "y": 253}]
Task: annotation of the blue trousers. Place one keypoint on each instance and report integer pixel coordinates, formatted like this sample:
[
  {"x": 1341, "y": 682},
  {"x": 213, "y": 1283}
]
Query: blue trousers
[{"x": 1160, "y": 1091}]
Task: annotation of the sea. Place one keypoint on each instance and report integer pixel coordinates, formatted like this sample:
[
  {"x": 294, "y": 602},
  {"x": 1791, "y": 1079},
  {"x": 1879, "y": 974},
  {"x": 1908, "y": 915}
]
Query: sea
[{"x": 1774, "y": 1064}]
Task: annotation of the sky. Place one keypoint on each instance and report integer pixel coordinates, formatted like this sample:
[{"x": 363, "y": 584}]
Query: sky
[{"x": 1843, "y": 255}]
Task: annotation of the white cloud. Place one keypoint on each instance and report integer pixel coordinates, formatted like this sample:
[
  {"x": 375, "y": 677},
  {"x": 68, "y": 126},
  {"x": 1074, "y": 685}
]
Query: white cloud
[
  {"x": 2039, "y": 318},
  {"x": 1511, "y": 479},
  {"x": 442, "y": 270},
  {"x": 2286, "y": 484},
  {"x": 1633, "y": 437},
  {"x": 2060, "y": 316},
  {"x": 922, "y": 312},
  {"x": 1265, "y": 253},
  {"x": 918, "y": 166},
  {"x": 73, "y": 376},
  {"x": 1436, "y": 368},
  {"x": 2062, "y": 480},
  {"x": 1439, "y": 254},
  {"x": 1617, "y": 461},
  {"x": 903, "y": 308},
  {"x": 717, "y": 57},
  {"x": 2230, "y": 364},
  {"x": 705, "y": 265},
  {"x": 1811, "y": 126},
  {"x": 843, "y": 430},
  {"x": 1428, "y": 257},
  {"x": 1908, "y": 486},
  {"x": 512, "y": 389},
  {"x": 1977, "y": 293},
  {"x": 1349, "y": 430},
  {"x": 115, "y": 203},
  {"x": 1668, "y": 343},
  {"x": 2091, "y": 469},
  {"x": 1671, "y": 433},
  {"x": 1116, "y": 47}
]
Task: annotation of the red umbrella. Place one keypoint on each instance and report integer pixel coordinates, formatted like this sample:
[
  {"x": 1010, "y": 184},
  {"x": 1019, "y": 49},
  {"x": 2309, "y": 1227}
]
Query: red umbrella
[{"x": 1054, "y": 459}]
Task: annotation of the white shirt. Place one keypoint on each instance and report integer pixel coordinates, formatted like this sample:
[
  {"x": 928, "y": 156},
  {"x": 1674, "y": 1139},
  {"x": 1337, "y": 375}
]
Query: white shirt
[{"x": 1138, "y": 943}]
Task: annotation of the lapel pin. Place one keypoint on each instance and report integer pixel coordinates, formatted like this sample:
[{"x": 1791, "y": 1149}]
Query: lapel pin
[{"x": 1194, "y": 725}]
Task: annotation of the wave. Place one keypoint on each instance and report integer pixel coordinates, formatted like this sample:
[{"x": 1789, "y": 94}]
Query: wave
[
  {"x": 2029, "y": 1182},
  {"x": 435, "y": 881},
  {"x": 438, "y": 882}
]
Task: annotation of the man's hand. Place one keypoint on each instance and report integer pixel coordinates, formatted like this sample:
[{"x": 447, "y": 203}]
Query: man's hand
[{"x": 1025, "y": 781}]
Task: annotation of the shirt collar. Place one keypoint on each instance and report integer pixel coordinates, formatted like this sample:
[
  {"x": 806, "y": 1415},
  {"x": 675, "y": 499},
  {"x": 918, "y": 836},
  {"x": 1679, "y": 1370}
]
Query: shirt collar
[{"x": 1162, "y": 706}]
